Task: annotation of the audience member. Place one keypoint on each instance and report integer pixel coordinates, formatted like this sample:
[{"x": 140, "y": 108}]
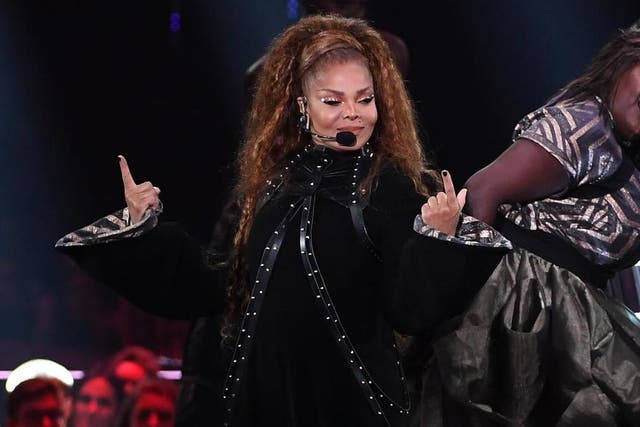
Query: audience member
[
  {"x": 37, "y": 402},
  {"x": 133, "y": 364},
  {"x": 97, "y": 402},
  {"x": 151, "y": 404}
]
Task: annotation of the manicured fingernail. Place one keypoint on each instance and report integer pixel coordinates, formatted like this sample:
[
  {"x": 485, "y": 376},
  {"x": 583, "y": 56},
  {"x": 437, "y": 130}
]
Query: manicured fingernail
[{"x": 445, "y": 173}]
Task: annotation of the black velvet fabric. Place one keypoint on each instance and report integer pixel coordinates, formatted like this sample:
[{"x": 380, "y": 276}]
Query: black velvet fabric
[
  {"x": 297, "y": 376},
  {"x": 164, "y": 272}
]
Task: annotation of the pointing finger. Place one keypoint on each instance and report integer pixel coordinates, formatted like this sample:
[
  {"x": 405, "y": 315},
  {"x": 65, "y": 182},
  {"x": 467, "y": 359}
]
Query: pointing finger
[
  {"x": 448, "y": 184},
  {"x": 127, "y": 179}
]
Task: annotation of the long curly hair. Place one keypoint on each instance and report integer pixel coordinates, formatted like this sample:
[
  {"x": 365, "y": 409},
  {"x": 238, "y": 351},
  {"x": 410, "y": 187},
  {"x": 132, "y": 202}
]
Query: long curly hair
[
  {"x": 599, "y": 78},
  {"x": 272, "y": 133}
]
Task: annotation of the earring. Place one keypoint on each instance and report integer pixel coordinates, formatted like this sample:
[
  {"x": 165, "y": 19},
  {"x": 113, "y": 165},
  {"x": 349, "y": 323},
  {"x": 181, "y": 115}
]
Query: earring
[{"x": 303, "y": 121}]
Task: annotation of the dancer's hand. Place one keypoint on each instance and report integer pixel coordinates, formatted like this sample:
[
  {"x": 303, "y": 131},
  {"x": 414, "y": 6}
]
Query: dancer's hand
[
  {"x": 139, "y": 197},
  {"x": 442, "y": 211}
]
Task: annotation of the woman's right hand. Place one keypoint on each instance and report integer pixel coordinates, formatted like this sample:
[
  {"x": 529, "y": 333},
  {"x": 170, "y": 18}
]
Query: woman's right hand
[
  {"x": 139, "y": 197},
  {"x": 442, "y": 211}
]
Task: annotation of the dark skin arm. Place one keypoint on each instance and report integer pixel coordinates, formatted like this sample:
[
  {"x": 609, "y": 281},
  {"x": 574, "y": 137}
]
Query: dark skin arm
[{"x": 523, "y": 172}]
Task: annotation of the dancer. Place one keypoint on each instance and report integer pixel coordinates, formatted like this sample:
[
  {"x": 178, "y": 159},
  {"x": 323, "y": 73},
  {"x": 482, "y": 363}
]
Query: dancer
[{"x": 542, "y": 344}]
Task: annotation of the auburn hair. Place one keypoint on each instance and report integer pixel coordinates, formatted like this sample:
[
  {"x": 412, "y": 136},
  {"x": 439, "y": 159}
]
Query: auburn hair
[{"x": 272, "y": 133}]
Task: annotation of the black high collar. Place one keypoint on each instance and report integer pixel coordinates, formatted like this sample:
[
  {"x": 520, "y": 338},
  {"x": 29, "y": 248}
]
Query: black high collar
[{"x": 333, "y": 174}]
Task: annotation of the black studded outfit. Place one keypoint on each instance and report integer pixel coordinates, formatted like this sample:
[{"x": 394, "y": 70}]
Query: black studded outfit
[{"x": 333, "y": 273}]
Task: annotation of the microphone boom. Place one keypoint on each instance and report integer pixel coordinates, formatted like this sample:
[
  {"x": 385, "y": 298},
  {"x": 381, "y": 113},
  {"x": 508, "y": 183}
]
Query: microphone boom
[{"x": 345, "y": 138}]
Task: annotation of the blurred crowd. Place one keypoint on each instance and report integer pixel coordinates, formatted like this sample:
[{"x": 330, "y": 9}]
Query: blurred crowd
[{"x": 125, "y": 390}]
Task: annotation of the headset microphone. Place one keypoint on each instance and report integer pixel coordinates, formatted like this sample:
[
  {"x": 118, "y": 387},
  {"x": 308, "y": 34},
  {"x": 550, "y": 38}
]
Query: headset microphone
[
  {"x": 348, "y": 139},
  {"x": 345, "y": 138}
]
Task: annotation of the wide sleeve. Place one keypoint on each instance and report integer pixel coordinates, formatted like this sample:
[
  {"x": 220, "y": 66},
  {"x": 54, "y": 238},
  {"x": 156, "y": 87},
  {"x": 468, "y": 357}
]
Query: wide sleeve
[
  {"x": 431, "y": 276},
  {"x": 155, "y": 265}
]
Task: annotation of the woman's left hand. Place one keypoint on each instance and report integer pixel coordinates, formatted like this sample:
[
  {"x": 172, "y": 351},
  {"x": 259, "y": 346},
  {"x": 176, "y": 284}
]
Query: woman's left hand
[{"x": 442, "y": 211}]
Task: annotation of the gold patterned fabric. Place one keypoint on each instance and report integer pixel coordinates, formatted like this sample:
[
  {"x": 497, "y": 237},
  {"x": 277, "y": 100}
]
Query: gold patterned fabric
[
  {"x": 603, "y": 229},
  {"x": 540, "y": 345},
  {"x": 472, "y": 232},
  {"x": 115, "y": 226}
]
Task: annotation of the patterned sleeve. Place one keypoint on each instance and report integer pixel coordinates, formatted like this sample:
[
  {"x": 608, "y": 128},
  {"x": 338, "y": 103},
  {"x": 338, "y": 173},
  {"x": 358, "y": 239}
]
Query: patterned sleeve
[
  {"x": 577, "y": 136},
  {"x": 472, "y": 232},
  {"x": 110, "y": 228}
]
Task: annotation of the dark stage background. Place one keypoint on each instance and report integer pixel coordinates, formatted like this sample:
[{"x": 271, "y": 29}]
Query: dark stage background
[{"x": 161, "y": 82}]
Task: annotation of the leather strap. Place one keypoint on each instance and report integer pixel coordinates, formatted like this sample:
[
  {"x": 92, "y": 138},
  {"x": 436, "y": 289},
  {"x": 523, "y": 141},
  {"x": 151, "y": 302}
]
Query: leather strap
[
  {"x": 378, "y": 399},
  {"x": 242, "y": 346},
  {"x": 361, "y": 230}
]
